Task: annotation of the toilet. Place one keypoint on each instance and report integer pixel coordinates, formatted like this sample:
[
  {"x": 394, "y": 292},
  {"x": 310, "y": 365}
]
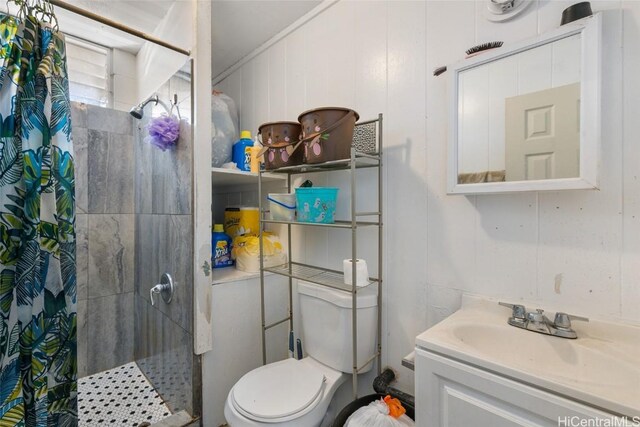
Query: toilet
[{"x": 298, "y": 392}]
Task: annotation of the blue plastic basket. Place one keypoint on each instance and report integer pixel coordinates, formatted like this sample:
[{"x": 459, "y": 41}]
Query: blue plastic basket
[{"x": 316, "y": 204}]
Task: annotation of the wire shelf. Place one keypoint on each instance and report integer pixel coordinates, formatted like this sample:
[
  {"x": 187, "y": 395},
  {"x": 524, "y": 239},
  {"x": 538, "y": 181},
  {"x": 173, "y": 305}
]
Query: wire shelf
[
  {"x": 321, "y": 276},
  {"x": 361, "y": 160},
  {"x": 366, "y": 152},
  {"x": 336, "y": 224}
]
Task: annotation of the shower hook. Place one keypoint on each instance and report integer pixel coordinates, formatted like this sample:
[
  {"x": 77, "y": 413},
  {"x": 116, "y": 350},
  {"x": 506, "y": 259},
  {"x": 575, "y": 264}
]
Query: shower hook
[
  {"x": 41, "y": 9},
  {"x": 23, "y": 8},
  {"x": 174, "y": 103}
]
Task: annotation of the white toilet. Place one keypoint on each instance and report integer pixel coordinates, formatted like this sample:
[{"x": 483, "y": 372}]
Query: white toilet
[{"x": 297, "y": 392}]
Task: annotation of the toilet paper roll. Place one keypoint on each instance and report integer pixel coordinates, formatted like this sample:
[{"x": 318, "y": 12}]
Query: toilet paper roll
[{"x": 362, "y": 273}]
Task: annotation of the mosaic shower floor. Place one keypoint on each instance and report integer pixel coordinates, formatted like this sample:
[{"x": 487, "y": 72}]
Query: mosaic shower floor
[{"x": 121, "y": 396}]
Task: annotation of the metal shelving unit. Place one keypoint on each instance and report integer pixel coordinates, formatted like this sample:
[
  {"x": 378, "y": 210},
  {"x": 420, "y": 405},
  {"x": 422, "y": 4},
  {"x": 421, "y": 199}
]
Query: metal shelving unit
[{"x": 367, "y": 133}]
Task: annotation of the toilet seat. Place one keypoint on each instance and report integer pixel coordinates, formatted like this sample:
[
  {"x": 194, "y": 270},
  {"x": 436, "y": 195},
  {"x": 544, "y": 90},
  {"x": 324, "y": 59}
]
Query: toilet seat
[{"x": 278, "y": 392}]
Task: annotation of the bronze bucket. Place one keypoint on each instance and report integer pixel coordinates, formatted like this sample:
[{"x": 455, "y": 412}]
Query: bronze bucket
[
  {"x": 279, "y": 140},
  {"x": 327, "y": 133}
]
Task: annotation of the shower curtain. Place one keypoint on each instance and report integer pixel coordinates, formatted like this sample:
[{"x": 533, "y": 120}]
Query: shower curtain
[{"x": 37, "y": 229}]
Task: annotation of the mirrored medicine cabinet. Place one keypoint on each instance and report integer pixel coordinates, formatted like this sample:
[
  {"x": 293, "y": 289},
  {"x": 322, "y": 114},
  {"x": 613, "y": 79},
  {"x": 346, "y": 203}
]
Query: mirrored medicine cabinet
[{"x": 526, "y": 117}]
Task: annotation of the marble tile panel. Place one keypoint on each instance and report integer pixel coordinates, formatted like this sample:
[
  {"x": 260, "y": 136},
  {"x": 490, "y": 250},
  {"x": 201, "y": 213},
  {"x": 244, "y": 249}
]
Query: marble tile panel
[
  {"x": 82, "y": 337},
  {"x": 98, "y": 174},
  {"x": 111, "y": 254},
  {"x": 110, "y": 179},
  {"x": 119, "y": 198},
  {"x": 143, "y": 173},
  {"x": 110, "y": 332},
  {"x": 80, "y": 153},
  {"x": 149, "y": 345},
  {"x": 143, "y": 329},
  {"x": 172, "y": 176},
  {"x": 146, "y": 271},
  {"x": 78, "y": 115},
  {"x": 82, "y": 255},
  {"x": 172, "y": 247},
  {"x": 108, "y": 120}
]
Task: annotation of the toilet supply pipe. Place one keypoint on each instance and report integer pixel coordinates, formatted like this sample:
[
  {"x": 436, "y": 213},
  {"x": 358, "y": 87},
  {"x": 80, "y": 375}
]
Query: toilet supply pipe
[
  {"x": 381, "y": 385},
  {"x": 291, "y": 353},
  {"x": 299, "y": 345}
]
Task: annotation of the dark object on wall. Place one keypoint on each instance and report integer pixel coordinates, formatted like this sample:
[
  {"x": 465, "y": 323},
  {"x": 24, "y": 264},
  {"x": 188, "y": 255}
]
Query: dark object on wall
[
  {"x": 439, "y": 70},
  {"x": 483, "y": 47},
  {"x": 472, "y": 52},
  {"x": 575, "y": 12},
  {"x": 352, "y": 407}
]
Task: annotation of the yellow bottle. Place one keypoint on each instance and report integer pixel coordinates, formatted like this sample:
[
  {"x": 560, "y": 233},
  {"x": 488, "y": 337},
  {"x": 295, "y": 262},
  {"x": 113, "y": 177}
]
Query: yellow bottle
[{"x": 255, "y": 159}]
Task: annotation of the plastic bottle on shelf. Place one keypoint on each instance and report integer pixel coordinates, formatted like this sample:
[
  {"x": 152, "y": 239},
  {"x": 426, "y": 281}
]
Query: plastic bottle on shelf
[
  {"x": 255, "y": 158},
  {"x": 242, "y": 151},
  {"x": 221, "y": 247}
]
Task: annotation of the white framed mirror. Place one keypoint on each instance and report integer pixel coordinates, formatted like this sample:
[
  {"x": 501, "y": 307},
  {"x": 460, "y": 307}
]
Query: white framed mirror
[{"x": 526, "y": 117}]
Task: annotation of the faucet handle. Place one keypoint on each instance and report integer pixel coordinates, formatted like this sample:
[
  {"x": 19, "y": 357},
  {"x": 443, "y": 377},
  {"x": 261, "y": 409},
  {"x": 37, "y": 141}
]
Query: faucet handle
[
  {"x": 518, "y": 310},
  {"x": 563, "y": 320}
]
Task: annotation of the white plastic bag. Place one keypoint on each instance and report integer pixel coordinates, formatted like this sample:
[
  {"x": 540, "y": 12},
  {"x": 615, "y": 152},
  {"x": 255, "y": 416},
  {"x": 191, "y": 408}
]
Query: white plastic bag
[
  {"x": 376, "y": 414},
  {"x": 224, "y": 117}
]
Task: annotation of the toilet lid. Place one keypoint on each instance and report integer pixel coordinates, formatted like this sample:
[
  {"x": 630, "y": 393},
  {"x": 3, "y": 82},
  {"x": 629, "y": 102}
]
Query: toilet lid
[{"x": 278, "y": 390}]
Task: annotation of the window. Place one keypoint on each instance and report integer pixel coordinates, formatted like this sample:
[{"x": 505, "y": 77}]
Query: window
[{"x": 89, "y": 69}]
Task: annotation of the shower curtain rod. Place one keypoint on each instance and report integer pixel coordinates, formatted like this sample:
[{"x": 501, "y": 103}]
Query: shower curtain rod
[{"x": 118, "y": 26}]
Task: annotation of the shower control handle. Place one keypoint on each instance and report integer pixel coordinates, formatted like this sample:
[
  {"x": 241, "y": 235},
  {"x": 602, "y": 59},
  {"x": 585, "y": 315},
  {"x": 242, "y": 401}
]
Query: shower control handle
[{"x": 165, "y": 288}]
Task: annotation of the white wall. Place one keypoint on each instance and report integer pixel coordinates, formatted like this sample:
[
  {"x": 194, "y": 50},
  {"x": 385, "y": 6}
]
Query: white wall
[{"x": 578, "y": 250}]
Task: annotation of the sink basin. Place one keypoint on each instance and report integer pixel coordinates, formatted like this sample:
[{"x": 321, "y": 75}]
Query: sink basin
[
  {"x": 600, "y": 367},
  {"x": 560, "y": 358}
]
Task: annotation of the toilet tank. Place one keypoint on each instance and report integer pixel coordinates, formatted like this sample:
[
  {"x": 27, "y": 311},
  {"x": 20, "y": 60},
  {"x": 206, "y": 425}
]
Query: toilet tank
[{"x": 326, "y": 323}]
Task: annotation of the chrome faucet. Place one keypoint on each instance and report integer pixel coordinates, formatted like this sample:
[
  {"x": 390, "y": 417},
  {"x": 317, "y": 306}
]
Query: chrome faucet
[{"x": 536, "y": 321}]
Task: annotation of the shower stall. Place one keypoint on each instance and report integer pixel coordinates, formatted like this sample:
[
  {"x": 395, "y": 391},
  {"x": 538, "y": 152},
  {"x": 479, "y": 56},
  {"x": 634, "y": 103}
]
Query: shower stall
[
  {"x": 136, "y": 364},
  {"x": 97, "y": 313}
]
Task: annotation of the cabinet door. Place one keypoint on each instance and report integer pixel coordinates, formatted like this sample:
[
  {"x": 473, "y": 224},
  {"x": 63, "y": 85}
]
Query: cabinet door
[{"x": 453, "y": 394}]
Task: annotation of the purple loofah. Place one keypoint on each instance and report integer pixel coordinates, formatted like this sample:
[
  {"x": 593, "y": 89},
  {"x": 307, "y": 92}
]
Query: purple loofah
[{"x": 164, "y": 131}]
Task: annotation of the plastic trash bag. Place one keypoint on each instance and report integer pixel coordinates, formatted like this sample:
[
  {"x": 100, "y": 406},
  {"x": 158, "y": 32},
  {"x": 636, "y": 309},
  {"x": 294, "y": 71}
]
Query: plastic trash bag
[
  {"x": 224, "y": 117},
  {"x": 376, "y": 414},
  {"x": 246, "y": 252}
]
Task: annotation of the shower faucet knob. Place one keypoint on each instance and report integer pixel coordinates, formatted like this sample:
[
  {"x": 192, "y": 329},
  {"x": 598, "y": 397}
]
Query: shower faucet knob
[{"x": 165, "y": 289}]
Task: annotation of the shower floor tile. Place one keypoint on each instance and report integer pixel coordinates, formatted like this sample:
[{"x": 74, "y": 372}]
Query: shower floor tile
[{"x": 121, "y": 396}]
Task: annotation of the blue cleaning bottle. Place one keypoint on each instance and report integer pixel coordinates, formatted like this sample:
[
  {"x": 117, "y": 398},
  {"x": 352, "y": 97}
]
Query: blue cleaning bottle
[
  {"x": 220, "y": 247},
  {"x": 242, "y": 151}
]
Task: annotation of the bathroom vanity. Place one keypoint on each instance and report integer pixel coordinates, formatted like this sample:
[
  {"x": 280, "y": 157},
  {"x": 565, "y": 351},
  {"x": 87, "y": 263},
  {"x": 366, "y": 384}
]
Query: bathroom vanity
[{"x": 474, "y": 369}]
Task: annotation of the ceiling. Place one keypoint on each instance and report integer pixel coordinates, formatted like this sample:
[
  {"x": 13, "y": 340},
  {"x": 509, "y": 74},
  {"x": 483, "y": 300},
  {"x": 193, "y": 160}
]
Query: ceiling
[
  {"x": 240, "y": 26},
  {"x": 143, "y": 15}
]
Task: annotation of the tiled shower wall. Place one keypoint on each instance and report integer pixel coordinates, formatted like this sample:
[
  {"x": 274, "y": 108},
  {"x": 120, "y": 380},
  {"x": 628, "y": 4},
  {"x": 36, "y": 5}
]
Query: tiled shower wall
[
  {"x": 163, "y": 244},
  {"x": 103, "y": 146}
]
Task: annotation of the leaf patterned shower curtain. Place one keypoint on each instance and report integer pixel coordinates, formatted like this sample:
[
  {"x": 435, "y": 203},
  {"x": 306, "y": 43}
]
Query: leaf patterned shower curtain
[{"x": 37, "y": 230}]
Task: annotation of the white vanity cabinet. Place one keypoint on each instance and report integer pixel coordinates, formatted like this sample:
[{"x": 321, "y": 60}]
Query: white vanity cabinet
[{"x": 455, "y": 394}]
